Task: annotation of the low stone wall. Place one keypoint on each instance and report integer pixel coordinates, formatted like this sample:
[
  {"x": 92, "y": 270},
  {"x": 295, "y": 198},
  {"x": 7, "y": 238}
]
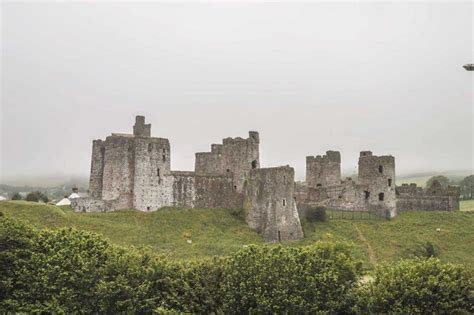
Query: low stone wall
[
  {"x": 98, "y": 205},
  {"x": 427, "y": 203}
]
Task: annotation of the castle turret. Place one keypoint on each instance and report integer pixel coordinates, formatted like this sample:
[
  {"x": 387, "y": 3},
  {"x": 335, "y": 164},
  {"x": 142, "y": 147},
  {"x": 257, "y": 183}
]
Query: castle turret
[
  {"x": 140, "y": 128},
  {"x": 377, "y": 174},
  {"x": 323, "y": 171}
]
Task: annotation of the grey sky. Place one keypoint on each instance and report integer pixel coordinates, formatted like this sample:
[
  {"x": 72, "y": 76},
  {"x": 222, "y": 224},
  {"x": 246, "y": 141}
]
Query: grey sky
[{"x": 385, "y": 77}]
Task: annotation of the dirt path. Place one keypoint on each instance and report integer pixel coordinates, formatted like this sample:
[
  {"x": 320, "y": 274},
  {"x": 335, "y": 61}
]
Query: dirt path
[{"x": 370, "y": 250}]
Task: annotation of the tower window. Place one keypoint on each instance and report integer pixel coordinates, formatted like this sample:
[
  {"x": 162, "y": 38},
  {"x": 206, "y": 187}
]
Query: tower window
[
  {"x": 158, "y": 172},
  {"x": 381, "y": 196},
  {"x": 367, "y": 195},
  {"x": 254, "y": 164},
  {"x": 227, "y": 170},
  {"x": 380, "y": 169},
  {"x": 389, "y": 182},
  {"x": 318, "y": 185},
  {"x": 164, "y": 157},
  {"x": 284, "y": 202},
  {"x": 284, "y": 179},
  {"x": 150, "y": 147}
]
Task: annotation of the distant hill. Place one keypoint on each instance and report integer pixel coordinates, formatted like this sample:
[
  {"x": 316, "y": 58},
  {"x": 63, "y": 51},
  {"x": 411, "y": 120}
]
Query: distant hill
[{"x": 421, "y": 178}]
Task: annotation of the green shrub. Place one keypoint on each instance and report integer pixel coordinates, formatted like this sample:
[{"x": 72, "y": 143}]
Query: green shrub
[
  {"x": 317, "y": 214},
  {"x": 36, "y": 196},
  {"x": 17, "y": 196},
  {"x": 424, "y": 250},
  {"x": 277, "y": 279},
  {"x": 418, "y": 287}
]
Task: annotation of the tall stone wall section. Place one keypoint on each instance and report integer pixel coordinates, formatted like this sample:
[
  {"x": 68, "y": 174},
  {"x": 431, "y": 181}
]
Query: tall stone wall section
[
  {"x": 270, "y": 205},
  {"x": 235, "y": 156},
  {"x": 436, "y": 197},
  {"x": 323, "y": 171},
  {"x": 152, "y": 165},
  {"x": 118, "y": 168},
  {"x": 377, "y": 178},
  {"x": 97, "y": 169}
]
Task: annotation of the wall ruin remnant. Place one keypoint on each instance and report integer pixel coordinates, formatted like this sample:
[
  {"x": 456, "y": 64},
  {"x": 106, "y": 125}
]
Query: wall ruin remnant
[
  {"x": 270, "y": 204},
  {"x": 410, "y": 197},
  {"x": 373, "y": 192}
]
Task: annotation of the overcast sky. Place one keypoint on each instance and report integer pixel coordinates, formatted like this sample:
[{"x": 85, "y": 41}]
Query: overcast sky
[{"x": 312, "y": 77}]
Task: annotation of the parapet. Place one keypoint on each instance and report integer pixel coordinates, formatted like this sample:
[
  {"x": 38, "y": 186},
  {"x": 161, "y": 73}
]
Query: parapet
[{"x": 365, "y": 153}]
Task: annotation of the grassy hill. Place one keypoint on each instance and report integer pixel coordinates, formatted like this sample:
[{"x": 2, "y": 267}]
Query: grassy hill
[{"x": 218, "y": 232}]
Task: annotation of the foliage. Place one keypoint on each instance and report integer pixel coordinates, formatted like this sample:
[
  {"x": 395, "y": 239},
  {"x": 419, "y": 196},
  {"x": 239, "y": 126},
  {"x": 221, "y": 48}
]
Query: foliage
[
  {"x": 215, "y": 232},
  {"x": 418, "y": 287},
  {"x": 16, "y": 196},
  {"x": 36, "y": 196},
  {"x": 443, "y": 180},
  {"x": 70, "y": 271},
  {"x": 277, "y": 279},
  {"x": 467, "y": 187},
  {"x": 317, "y": 214},
  {"x": 424, "y": 249}
]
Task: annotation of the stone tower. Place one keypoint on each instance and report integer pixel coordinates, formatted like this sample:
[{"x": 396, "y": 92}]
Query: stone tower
[
  {"x": 235, "y": 156},
  {"x": 323, "y": 171},
  {"x": 377, "y": 176},
  {"x": 270, "y": 205}
]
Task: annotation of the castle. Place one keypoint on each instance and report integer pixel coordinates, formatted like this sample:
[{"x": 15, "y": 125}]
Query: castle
[{"x": 132, "y": 171}]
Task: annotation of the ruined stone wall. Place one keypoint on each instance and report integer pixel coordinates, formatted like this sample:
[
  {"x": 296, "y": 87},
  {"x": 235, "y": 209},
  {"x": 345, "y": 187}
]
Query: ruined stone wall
[
  {"x": 236, "y": 156},
  {"x": 436, "y": 197},
  {"x": 97, "y": 169},
  {"x": 118, "y": 171},
  {"x": 323, "y": 171},
  {"x": 188, "y": 190},
  {"x": 270, "y": 205},
  {"x": 88, "y": 204},
  {"x": 152, "y": 164},
  {"x": 377, "y": 174}
]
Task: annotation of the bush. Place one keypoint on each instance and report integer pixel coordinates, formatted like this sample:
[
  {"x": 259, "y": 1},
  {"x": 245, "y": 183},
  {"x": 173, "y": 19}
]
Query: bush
[
  {"x": 16, "y": 196},
  {"x": 424, "y": 250},
  {"x": 36, "y": 196},
  {"x": 317, "y": 214},
  {"x": 277, "y": 279},
  {"x": 418, "y": 287}
]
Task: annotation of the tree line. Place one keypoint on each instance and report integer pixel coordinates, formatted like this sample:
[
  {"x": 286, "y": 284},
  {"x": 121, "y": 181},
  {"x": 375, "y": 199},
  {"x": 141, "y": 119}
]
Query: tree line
[{"x": 70, "y": 271}]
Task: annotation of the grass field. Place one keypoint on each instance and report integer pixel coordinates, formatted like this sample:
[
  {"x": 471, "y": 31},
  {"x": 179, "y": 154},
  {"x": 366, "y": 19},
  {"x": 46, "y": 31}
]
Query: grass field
[
  {"x": 466, "y": 205},
  {"x": 218, "y": 232}
]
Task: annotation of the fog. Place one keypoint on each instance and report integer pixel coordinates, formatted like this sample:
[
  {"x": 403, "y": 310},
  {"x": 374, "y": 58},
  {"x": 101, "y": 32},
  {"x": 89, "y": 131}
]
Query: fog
[{"x": 310, "y": 77}]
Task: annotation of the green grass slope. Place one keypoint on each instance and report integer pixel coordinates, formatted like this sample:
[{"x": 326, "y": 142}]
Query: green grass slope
[
  {"x": 213, "y": 232},
  {"x": 218, "y": 232}
]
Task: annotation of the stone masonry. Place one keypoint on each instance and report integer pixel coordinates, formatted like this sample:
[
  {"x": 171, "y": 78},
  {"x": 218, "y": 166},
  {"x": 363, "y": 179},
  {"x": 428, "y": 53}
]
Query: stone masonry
[
  {"x": 133, "y": 171},
  {"x": 270, "y": 205}
]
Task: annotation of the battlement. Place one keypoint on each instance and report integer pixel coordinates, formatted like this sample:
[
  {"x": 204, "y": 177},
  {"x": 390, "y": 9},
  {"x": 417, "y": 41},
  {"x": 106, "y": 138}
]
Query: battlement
[
  {"x": 323, "y": 171},
  {"x": 235, "y": 156}
]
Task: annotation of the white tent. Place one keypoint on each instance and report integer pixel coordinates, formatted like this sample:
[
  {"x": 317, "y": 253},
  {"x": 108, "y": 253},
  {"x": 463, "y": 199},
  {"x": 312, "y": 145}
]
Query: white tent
[
  {"x": 64, "y": 202},
  {"x": 2, "y": 198},
  {"x": 74, "y": 195}
]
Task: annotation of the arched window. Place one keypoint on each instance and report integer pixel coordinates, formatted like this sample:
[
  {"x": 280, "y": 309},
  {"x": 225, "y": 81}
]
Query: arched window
[
  {"x": 380, "y": 169},
  {"x": 150, "y": 147},
  {"x": 389, "y": 182},
  {"x": 381, "y": 196},
  {"x": 367, "y": 195}
]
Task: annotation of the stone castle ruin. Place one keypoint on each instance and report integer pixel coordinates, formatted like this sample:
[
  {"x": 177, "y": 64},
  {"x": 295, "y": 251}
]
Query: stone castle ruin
[{"x": 133, "y": 171}]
